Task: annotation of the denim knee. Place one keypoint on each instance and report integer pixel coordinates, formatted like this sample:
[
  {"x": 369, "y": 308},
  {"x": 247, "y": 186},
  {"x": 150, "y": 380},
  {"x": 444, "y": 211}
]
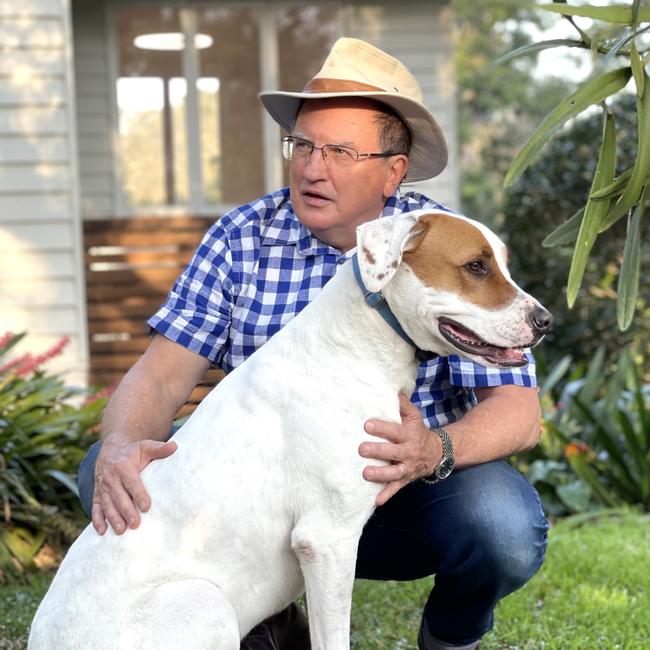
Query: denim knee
[{"x": 506, "y": 526}]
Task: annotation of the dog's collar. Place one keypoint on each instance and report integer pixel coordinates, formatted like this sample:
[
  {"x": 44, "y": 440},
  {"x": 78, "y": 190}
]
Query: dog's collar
[{"x": 376, "y": 300}]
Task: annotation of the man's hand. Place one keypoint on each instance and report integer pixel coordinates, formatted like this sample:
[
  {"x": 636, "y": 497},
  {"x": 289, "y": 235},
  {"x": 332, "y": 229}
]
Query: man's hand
[
  {"x": 119, "y": 494},
  {"x": 412, "y": 449}
]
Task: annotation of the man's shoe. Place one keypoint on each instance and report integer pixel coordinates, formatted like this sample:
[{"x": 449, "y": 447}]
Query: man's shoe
[{"x": 286, "y": 630}]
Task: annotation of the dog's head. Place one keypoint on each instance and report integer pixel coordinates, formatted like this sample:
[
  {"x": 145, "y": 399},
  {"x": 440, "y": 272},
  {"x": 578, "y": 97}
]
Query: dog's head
[{"x": 446, "y": 280}]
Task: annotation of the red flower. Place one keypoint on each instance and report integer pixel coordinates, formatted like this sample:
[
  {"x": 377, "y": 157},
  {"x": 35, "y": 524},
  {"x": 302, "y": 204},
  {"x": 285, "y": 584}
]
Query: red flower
[
  {"x": 28, "y": 363},
  {"x": 574, "y": 449}
]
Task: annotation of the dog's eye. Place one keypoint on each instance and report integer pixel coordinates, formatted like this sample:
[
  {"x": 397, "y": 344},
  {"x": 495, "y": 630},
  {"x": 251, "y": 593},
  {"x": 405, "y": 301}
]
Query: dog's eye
[{"x": 477, "y": 267}]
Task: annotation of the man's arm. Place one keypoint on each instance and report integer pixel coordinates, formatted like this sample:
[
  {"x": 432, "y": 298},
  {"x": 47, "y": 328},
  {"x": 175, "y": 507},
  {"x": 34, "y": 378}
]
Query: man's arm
[
  {"x": 137, "y": 419},
  {"x": 506, "y": 420}
]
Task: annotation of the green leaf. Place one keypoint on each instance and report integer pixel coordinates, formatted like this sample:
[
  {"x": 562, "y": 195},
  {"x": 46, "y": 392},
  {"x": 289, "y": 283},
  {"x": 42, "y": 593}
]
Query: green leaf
[
  {"x": 567, "y": 233},
  {"x": 22, "y": 543},
  {"x": 642, "y": 408},
  {"x": 14, "y": 340},
  {"x": 636, "y": 6},
  {"x": 619, "y": 14},
  {"x": 575, "y": 495},
  {"x": 588, "y": 475},
  {"x": 65, "y": 479},
  {"x": 595, "y": 211},
  {"x": 593, "y": 377},
  {"x": 628, "y": 280},
  {"x": 632, "y": 193},
  {"x": 615, "y": 188},
  {"x": 592, "y": 92},
  {"x": 555, "y": 375},
  {"x": 637, "y": 70},
  {"x": 633, "y": 444},
  {"x": 532, "y": 48}
]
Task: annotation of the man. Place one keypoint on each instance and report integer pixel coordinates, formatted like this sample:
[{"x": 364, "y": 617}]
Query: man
[{"x": 357, "y": 130}]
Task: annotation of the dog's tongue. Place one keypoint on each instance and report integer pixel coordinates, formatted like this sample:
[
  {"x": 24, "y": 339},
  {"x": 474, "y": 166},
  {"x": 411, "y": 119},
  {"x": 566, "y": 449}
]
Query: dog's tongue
[
  {"x": 468, "y": 341},
  {"x": 508, "y": 356}
]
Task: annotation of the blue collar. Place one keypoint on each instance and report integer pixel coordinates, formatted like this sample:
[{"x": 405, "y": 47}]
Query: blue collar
[{"x": 376, "y": 300}]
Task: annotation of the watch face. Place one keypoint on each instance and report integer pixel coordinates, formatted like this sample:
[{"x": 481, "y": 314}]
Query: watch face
[{"x": 445, "y": 468}]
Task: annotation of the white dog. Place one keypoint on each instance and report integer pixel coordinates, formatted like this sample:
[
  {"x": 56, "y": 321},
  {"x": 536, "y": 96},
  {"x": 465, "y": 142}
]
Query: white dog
[{"x": 264, "y": 496}]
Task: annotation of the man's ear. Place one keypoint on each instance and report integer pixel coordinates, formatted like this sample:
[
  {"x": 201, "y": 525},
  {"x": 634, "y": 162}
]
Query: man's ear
[
  {"x": 380, "y": 246},
  {"x": 397, "y": 169}
]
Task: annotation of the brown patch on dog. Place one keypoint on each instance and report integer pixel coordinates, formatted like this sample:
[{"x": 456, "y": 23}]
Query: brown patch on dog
[
  {"x": 439, "y": 256},
  {"x": 369, "y": 256}
]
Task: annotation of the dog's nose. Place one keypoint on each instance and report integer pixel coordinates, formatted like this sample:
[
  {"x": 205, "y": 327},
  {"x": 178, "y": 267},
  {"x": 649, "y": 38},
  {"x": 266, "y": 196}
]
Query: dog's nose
[{"x": 541, "y": 319}]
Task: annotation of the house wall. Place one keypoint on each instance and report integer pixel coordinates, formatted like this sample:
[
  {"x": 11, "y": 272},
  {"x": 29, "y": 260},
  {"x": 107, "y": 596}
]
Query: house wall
[
  {"x": 94, "y": 109},
  {"x": 418, "y": 32},
  {"x": 41, "y": 281}
]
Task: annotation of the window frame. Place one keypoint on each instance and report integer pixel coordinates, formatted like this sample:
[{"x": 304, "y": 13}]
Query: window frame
[{"x": 269, "y": 78}]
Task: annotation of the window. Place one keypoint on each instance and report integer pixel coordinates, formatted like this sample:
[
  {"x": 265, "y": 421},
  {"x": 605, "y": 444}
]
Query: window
[{"x": 190, "y": 124}]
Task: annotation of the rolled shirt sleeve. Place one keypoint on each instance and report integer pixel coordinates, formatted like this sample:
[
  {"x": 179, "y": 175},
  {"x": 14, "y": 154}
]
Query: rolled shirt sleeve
[{"x": 197, "y": 311}]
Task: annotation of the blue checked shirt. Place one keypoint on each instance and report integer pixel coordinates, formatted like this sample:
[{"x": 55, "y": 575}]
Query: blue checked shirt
[{"x": 258, "y": 266}]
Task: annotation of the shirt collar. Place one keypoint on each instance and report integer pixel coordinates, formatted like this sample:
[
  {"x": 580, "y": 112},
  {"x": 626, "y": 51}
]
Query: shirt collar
[{"x": 286, "y": 229}]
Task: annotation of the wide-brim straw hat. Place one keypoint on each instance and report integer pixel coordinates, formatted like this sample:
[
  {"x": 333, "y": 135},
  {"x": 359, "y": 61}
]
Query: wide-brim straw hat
[{"x": 355, "y": 68}]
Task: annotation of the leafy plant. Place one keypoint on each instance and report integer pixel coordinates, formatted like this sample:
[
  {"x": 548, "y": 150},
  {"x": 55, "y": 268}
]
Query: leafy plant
[
  {"x": 603, "y": 424},
  {"x": 562, "y": 492},
  {"x": 611, "y": 197},
  {"x": 45, "y": 428}
]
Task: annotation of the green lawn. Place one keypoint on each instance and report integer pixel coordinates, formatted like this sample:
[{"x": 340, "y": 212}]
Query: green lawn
[{"x": 593, "y": 592}]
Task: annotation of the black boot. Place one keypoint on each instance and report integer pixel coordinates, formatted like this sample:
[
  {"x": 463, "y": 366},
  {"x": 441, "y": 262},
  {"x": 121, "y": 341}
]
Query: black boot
[{"x": 286, "y": 630}]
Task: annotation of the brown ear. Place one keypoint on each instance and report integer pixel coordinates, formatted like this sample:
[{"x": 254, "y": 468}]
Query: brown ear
[{"x": 419, "y": 232}]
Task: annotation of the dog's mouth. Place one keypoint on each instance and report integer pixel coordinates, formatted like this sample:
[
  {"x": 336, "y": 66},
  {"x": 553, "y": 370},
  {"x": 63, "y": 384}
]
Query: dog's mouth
[{"x": 467, "y": 341}]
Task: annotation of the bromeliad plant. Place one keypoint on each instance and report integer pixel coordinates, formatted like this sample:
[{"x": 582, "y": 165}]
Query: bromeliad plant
[
  {"x": 603, "y": 425},
  {"x": 619, "y": 40},
  {"x": 45, "y": 428}
]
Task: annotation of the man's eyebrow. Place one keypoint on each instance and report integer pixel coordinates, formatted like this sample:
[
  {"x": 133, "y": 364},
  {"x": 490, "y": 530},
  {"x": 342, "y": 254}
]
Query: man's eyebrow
[
  {"x": 297, "y": 134},
  {"x": 344, "y": 143}
]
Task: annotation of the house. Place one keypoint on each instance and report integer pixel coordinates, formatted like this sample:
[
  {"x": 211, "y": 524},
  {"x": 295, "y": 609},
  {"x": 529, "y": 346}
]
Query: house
[{"x": 142, "y": 117}]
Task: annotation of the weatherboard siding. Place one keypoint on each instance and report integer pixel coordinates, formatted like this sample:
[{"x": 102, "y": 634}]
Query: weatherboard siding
[{"x": 41, "y": 272}]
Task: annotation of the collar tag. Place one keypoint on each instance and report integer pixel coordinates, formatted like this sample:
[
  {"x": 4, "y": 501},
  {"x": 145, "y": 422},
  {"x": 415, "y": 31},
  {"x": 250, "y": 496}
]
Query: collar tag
[{"x": 373, "y": 298}]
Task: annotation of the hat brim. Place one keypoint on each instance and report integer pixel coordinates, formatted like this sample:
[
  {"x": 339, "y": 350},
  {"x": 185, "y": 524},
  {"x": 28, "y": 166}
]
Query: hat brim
[{"x": 428, "y": 155}]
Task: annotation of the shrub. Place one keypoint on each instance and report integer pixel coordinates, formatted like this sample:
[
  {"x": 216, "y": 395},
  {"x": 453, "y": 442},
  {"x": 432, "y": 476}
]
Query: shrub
[
  {"x": 595, "y": 446},
  {"x": 45, "y": 429}
]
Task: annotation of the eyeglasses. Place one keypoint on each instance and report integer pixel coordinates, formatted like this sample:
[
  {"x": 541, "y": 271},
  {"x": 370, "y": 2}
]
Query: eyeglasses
[{"x": 298, "y": 150}]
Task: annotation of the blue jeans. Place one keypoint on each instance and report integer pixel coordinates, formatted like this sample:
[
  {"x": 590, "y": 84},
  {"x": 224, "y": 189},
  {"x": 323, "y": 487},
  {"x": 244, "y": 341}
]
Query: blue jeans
[{"x": 482, "y": 533}]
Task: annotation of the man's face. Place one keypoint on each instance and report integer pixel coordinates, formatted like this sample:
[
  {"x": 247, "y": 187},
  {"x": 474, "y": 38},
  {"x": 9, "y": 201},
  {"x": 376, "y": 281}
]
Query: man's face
[{"x": 331, "y": 202}]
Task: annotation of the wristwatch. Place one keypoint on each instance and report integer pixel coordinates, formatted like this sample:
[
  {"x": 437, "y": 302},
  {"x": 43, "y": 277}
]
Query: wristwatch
[{"x": 446, "y": 464}]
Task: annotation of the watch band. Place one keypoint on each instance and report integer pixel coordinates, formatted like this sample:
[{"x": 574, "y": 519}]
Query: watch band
[{"x": 446, "y": 463}]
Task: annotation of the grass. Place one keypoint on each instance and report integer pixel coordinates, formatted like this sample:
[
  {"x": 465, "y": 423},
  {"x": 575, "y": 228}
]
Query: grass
[
  {"x": 18, "y": 604},
  {"x": 592, "y": 593}
]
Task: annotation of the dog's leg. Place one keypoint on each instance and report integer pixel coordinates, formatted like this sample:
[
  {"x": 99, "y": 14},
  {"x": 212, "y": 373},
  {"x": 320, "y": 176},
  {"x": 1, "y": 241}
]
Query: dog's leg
[
  {"x": 188, "y": 614},
  {"x": 328, "y": 569}
]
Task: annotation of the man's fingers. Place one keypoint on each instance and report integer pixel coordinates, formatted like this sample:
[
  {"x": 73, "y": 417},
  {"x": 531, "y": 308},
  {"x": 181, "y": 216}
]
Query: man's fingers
[
  {"x": 389, "y": 491},
  {"x": 120, "y": 495},
  {"x": 386, "y": 474},
  {"x": 113, "y": 516},
  {"x": 137, "y": 493},
  {"x": 407, "y": 408},
  {"x": 99, "y": 518},
  {"x": 383, "y": 451},
  {"x": 391, "y": 431},
  {"x": 154, "y": 450}
]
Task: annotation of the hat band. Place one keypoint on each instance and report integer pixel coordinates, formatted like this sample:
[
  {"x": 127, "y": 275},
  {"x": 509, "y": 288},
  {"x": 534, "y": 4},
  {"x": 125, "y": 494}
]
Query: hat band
[{"x": 324, "y": 85}]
